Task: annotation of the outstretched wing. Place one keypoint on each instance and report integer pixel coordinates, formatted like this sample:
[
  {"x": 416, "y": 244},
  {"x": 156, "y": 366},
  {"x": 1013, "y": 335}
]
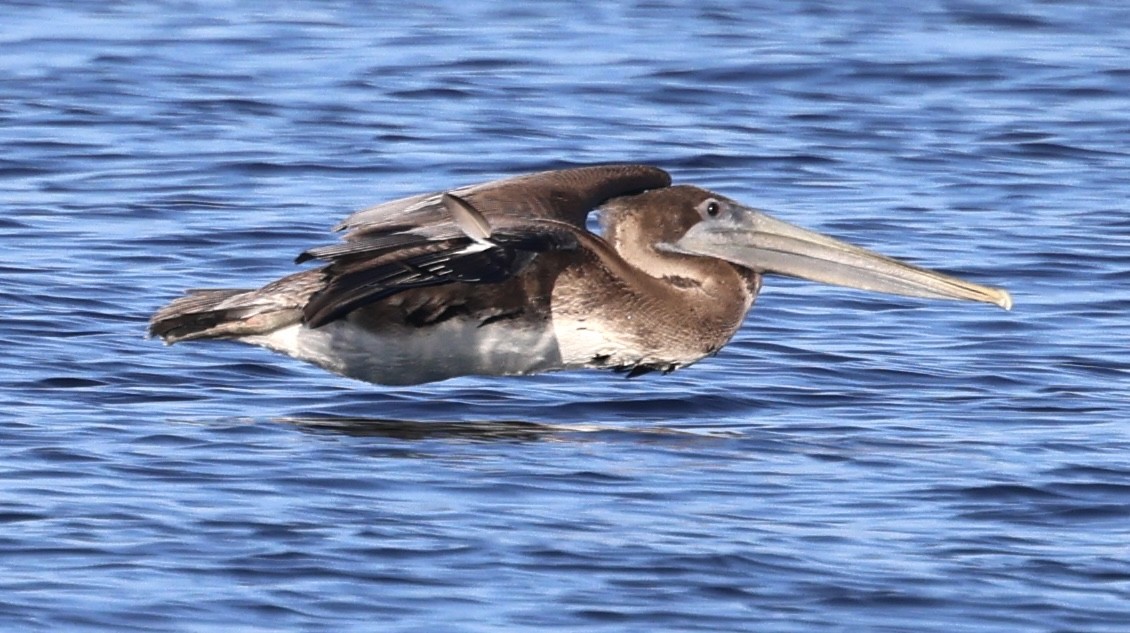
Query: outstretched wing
[
  {"x": 566, "y": 195},
  {"x": 479, "y": 234}
]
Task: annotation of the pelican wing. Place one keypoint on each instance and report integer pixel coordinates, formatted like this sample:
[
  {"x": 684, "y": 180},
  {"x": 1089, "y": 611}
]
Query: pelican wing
[
  {"x": 483, "y": 233},
  {"x": 566, "y": 195}
]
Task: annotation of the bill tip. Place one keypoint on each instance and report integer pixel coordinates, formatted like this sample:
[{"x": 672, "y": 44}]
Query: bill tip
[{"x": 1003, "y": 298}]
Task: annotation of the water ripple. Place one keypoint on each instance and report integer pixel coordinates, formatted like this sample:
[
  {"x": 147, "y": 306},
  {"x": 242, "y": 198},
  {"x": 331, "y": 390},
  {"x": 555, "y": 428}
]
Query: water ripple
[{"x": 892, "y": 463}]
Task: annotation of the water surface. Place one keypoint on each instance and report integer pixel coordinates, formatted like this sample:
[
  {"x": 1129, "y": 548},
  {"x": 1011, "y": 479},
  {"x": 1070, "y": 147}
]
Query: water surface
[{"x": 850, "y": 462}]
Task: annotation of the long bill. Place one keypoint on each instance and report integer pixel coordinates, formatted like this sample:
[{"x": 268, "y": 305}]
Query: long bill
[{"x": 752, "y": 239}]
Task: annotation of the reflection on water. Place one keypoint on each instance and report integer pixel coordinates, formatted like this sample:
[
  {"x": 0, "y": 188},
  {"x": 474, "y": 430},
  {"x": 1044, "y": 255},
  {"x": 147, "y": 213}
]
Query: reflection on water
[
  {"x": 489, "y": 430},
  {"x": 483, "y": 431}
]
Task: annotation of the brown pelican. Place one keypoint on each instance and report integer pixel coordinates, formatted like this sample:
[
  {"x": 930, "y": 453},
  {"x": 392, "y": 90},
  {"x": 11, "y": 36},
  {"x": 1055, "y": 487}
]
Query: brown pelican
[{"x": 503, "y": 278}]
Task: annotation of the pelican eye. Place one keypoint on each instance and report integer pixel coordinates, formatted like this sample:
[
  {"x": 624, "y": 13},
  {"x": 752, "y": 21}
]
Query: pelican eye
[{"x": 713, "y": 208}]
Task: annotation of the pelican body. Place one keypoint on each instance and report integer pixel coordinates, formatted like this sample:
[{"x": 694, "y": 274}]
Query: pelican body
[{"x": 503, "y": 278}]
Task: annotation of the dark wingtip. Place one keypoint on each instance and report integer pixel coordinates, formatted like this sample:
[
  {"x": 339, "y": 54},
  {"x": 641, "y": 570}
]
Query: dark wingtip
[{"x": 319, "y": 311}]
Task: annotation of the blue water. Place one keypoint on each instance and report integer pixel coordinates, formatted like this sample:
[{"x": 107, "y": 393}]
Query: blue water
[{"x": 850, "y": 462}]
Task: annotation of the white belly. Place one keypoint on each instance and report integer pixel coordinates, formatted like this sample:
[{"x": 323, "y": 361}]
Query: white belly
[{"x": 408, "y": 356}]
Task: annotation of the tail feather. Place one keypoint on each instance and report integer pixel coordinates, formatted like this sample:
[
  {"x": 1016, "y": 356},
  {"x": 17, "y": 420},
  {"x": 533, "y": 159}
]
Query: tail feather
[
  {"x": 233, "y": 313},
  {"x": 196, "y": 315}
]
